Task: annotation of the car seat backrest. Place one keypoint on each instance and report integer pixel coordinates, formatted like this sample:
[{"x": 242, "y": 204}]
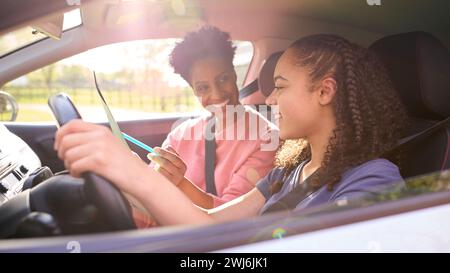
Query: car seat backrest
[
  {"x": 265, "y": 79},
  {"x": 264, "y": 83},
  {"x": 419, "y": 67}
]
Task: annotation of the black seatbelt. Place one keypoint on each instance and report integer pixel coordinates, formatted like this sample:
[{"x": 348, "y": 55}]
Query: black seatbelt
[
  {"x": 294, "y": 197},
  {"x": 409, "y": 140},
  {"x": 210, "y": 155},
  {"x": 249, "y": 89}
]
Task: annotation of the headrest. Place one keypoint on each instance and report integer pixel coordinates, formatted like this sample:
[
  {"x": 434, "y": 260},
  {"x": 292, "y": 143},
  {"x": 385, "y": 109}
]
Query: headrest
[
  {"x": 265, "y": 79},
  {"x": 419, "y": 67}
]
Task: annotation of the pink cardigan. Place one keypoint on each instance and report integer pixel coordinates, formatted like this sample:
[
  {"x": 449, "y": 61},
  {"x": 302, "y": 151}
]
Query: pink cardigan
[{"x": 240, "y": 162}]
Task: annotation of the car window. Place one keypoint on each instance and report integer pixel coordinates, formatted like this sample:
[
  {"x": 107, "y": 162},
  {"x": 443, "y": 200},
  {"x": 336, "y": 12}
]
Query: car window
[{"x": 135, "y": 78}]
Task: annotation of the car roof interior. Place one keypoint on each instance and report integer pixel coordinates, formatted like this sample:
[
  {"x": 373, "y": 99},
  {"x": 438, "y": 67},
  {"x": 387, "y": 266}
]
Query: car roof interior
[{"x": 270, "y": 25}]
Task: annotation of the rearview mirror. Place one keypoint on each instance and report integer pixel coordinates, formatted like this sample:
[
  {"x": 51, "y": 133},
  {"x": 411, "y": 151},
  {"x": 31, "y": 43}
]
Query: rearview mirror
[{"x": 8, "y": 107}]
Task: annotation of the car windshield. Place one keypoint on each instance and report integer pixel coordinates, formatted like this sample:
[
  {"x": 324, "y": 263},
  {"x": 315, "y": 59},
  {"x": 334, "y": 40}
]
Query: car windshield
[{"x": 25, "y": 36}]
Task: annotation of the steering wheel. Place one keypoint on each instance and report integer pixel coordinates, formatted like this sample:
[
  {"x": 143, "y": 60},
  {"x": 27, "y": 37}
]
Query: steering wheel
[{"x": 108, "y": 199}]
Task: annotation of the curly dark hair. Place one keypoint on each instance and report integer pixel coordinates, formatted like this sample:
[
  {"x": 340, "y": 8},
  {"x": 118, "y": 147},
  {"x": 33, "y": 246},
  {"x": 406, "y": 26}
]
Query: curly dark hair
[
  {"x": 206, "y": 42},
  {"x": 370, "y": 118}
]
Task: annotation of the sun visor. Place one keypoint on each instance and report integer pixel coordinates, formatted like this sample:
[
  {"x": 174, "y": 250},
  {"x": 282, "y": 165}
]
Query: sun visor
[{"x": 51, "y": 26}]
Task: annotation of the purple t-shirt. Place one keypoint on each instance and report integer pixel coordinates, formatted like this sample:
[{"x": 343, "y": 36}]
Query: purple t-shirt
[{"x": 370, "y": 177}]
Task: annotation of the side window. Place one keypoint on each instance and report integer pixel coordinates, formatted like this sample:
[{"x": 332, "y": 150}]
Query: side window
[
  {"x": 135, "y": 78},
  {"x": 242, "y": 59}
]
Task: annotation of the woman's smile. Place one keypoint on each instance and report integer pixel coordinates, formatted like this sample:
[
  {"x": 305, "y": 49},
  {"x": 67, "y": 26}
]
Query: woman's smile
[{"x": 220, "y": 104}]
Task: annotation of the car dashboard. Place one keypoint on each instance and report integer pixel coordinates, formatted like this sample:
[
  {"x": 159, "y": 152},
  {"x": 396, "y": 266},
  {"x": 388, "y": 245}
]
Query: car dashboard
[
  {"x": 17, "y": 163},
  {"x": 34, "y": 202}
]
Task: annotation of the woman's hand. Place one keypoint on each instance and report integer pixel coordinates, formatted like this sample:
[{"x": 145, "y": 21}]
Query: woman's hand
[
  {"x": 170, "y": 164},
  {"x": 89, "y": 147}
]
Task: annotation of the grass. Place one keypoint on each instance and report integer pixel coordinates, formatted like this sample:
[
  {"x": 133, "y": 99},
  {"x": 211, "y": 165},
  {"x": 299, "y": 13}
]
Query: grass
[
  {"x": 182, "y": 101},
  {"x": 34, "y": 115}
]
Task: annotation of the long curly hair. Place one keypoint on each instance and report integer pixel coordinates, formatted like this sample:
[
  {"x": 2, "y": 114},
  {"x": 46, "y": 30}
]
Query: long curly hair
[{"x": 370, "y": 118}]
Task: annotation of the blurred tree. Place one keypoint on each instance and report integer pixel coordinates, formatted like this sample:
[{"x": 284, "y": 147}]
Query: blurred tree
[
  {"x": 45, "y": 76},
  {"x": 74, "y": 76}
]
